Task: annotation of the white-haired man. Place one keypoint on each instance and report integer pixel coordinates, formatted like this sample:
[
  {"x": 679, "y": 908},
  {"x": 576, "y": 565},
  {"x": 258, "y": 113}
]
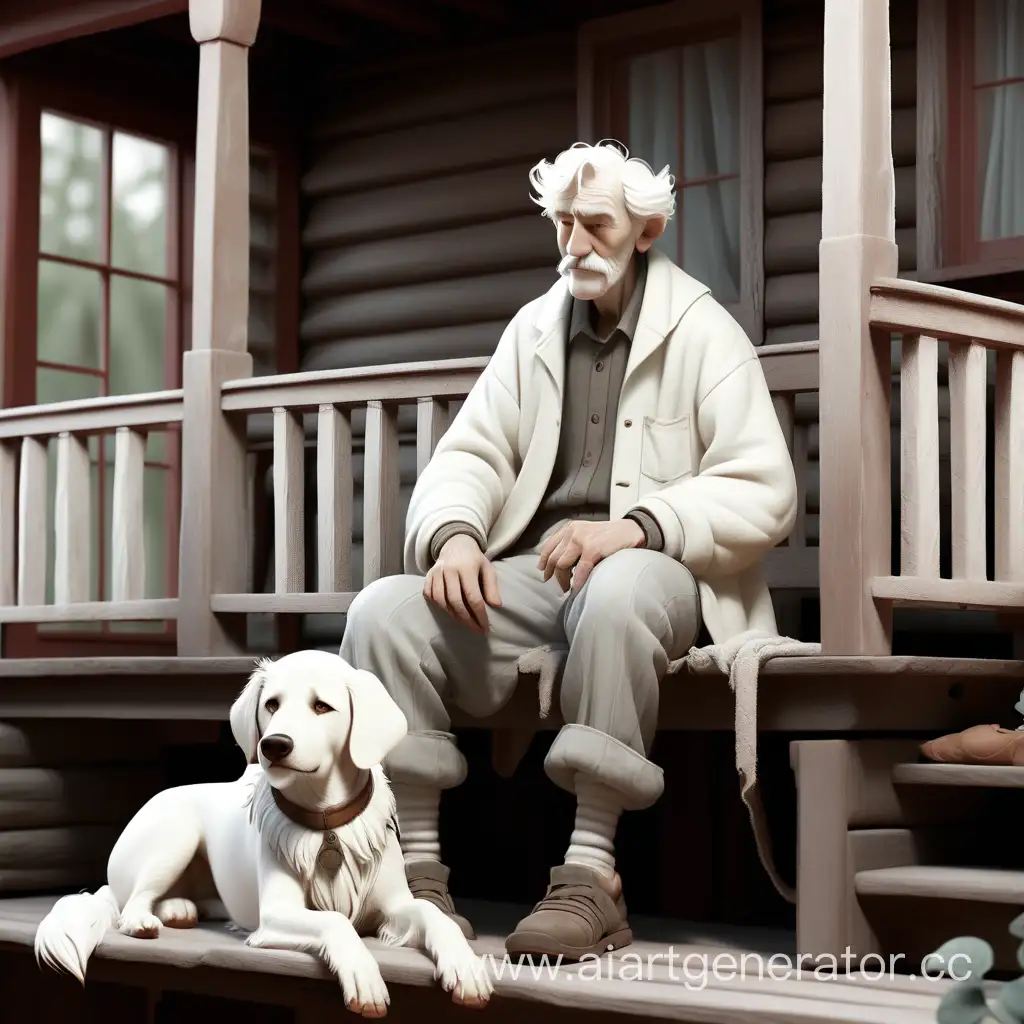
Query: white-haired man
[{"x": 611, "y": 483}]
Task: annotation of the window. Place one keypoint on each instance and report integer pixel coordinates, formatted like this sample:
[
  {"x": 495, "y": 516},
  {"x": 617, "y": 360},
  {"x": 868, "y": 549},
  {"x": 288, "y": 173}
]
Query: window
[
  {"x": 986, "y": 155},
  {"x": 109, "y": 313},
  {"x": 685, "y": 91}
]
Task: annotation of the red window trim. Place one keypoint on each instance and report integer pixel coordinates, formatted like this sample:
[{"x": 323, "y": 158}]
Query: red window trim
[
  {"x": 962, "y": 243},
  {"x": 25, "y": 95}
]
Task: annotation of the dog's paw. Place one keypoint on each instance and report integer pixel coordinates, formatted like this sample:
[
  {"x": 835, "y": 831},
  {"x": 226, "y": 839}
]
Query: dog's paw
[
  {"x": 362, "y": 986},
  {"x": 466, "y": 977},
  {"x": 138, "y": 924},
  {"x": 178, "y": 913}
]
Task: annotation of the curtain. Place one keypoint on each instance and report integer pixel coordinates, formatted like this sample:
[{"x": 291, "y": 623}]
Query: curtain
[
  {"x": 684, "y": 108},
  {"x": 999, "y": 55}
]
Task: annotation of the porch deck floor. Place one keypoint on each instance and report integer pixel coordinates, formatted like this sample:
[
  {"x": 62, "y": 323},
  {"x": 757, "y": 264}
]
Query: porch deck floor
[{"x": 672, "y": 971}]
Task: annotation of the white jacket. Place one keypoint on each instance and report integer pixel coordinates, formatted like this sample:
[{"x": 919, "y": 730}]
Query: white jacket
[{"x": 697, "y": 444}]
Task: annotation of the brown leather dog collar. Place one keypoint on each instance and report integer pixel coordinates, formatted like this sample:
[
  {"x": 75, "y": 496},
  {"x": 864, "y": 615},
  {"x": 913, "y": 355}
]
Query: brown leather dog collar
[{"x": 330, "y": 817}]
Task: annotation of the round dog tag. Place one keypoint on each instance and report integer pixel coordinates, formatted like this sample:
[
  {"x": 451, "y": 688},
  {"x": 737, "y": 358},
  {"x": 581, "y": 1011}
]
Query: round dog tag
[{"x": 329, "y": 858}]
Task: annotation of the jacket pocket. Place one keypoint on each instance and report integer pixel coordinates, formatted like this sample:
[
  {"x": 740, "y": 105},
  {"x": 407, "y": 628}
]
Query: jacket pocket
[{"x": 665, "y": 454}]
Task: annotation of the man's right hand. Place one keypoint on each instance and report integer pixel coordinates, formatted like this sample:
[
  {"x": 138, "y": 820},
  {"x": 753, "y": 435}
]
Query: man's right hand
[{"x": 462, "y": 581}]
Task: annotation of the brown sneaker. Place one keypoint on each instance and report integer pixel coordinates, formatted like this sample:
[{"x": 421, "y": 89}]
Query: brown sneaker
[
  {"x": 428, "y": 880},
  {"x": 582, "y": 913},
  {"x": 980, "y": 744}
]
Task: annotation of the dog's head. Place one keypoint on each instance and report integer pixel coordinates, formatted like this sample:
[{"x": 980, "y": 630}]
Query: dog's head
[{"x": 311, "y": 711}]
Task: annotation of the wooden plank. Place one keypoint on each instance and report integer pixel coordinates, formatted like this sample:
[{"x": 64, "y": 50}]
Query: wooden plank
[
  {"x": 967, "y": 401},
  {"x": 921, "y": 592},
  {"x": 32, "y": 545},
  {"x": 382, "y": 546},
  {"x": 128, "y": 518},
  {"x": 289, "y": 503},
  {"x": 431, "y": 423},
  {"x": 945, "y": 313},
  {"x": 8, "y": 521},
  {"x": 91, "y": 415},
  {"x": 791, "y": 299},
  {"x": 858, "y": 246},
  {"x": 929, "y": 881},
  {"x": 73, "y": 535},
  {"x": 981, "y": 775},
  {"x": 1009, "y": 466},
  {"x": 919, "y": 462},
  {"x": 332, "y": 603},
  {"x": 335, "y": 489},
  {"x": 932, "y": 89},
  {"x": 153, "y": 610}
]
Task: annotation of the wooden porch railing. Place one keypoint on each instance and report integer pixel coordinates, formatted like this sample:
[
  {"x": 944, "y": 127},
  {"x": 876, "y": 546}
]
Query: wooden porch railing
[
  {"x": 926, "y": 316},
  {"x": 25, "y": 434}
]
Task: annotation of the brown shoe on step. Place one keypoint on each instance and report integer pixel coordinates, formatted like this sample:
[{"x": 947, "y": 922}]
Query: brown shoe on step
[
  {"x": 980, "y": 744},
  {"x": 428, "y": 880},
  {"x": 581, "y": 913}
]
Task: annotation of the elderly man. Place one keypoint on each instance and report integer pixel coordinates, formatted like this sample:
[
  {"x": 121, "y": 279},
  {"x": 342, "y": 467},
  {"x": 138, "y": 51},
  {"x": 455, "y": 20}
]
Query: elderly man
[{"x": 611, "y": 483}]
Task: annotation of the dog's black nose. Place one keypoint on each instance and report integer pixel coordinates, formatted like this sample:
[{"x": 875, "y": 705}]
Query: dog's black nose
[{"x": 276, "y": 747}]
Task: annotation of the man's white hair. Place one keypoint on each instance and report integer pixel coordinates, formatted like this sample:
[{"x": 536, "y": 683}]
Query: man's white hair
[{"x": 646, "y": 194}]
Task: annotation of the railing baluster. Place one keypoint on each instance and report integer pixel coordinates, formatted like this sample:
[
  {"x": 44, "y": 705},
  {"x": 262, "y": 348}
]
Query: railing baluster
[
  {"x": 335, "y": 495},
  {"x": 127, "y": 528},
  {"x": 802, "y": 468},
  {"x": 382, "y": 550},
  {"x": 1009, "y": 465},
  {"x": 8, "y": 518},
  {"x": 967, "y": 384},
  {"x": 919, "y": 457},
  {"x": 72, "y": 521},
  {"x": 431, "y": 423},
  {"x": 289, "y": 504}
]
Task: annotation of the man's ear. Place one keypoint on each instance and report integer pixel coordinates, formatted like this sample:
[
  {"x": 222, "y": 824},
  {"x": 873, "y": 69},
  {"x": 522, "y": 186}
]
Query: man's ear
[
  {"x": 653, "y": 230},
  {"x": 377, "y": 721},
  {"x": 244, "y": 726}
]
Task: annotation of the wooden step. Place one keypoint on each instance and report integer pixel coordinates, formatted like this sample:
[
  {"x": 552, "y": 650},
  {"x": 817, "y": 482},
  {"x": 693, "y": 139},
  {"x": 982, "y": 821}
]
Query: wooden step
[
  {"x": 987, "y": 775},
  {"x": 982, "y": 885}
]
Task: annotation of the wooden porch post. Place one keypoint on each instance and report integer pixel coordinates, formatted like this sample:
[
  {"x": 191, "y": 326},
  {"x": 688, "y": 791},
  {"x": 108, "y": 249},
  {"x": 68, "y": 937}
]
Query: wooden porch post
[
  {"x": 213, "y": 548},
  {"x": 857, "y": 246}
]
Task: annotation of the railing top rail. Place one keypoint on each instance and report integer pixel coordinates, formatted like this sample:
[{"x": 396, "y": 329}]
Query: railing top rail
[
  {"x": 946, "y": 313},
  {"x": 92, "y": 415}
]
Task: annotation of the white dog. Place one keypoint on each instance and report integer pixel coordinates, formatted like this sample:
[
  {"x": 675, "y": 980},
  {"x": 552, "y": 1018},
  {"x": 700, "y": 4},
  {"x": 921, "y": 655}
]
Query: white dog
[{"x": 302, "y": 851}]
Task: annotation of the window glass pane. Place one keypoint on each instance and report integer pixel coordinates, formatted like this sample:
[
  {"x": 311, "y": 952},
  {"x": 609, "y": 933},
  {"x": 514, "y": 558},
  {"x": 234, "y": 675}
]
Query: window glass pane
[
  {"x": 139, "y": 236},
  {"x": 1000, "y": 114},
  {"x": 998, "y": 40},
  {"x": 69, "y": 315},
  {"x": 65, "y": 385},
  {"x": 71, "y": 191},
  {"x": 711, "y": 109},
  {"x": 711, "y": 236},
  {"x": 138, "y": 328}
]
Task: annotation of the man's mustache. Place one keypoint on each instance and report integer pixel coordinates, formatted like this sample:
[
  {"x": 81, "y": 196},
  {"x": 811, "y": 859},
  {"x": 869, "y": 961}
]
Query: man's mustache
[{"x": 591, "y": 262}]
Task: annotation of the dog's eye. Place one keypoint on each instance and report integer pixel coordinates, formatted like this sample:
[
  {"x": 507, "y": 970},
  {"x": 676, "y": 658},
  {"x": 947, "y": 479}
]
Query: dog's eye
[
  {"x": 272, "y": 705},
  {"x": 321, "y": 708}
]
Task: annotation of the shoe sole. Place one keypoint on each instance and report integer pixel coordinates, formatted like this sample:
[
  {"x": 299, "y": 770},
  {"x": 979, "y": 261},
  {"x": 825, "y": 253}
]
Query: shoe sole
[{"x": 539, "y": 944}]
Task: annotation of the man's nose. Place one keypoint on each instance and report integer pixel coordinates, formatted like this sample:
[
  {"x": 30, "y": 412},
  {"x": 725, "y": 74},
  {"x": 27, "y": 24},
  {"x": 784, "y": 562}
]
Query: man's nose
[{"x": 579, "y": 242}]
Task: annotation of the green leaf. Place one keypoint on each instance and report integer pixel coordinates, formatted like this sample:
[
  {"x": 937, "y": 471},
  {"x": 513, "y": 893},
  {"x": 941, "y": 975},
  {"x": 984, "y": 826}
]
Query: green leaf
[
  {"x": 1019, "y": 706},
  {"x": 1017, "y": 927},
  {"x": 1020, "y": 954},
  {"x": 963, "y": 1004},
  {"x": 963, "y": 959},
  {"x": 1011, "y": 999}
]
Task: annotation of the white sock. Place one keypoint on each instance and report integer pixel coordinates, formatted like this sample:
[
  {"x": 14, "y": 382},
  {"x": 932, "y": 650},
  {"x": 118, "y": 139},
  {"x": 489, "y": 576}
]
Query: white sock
[
  {"x": 418, "y": 811},
  {"x": 598, "y": 808}
]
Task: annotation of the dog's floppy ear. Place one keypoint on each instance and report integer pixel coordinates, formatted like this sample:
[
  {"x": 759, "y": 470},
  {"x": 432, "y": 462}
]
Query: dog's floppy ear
[
  {"x": 377, "y": 721},
  {"x": 244, "y": 726}
]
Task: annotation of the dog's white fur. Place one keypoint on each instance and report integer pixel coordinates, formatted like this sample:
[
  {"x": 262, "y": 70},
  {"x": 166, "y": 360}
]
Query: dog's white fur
[{"x": 226, "y": 850}]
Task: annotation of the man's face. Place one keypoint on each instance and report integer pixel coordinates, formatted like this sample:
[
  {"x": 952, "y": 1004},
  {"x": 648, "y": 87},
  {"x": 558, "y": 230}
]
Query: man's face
[{"x": 596, "y": 235}]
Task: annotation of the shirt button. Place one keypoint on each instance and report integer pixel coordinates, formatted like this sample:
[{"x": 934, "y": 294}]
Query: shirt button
[
  {"x": 628, "y": 423},
  {"x": 595, "y": 418},
  {"x": 599, "y": 367}
]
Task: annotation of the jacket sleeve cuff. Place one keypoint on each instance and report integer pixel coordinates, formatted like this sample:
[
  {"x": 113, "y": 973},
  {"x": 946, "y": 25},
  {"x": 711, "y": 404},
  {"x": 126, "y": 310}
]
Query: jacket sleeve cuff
[
  {"x": 654, "y": 539},
  {"x": 449, "y": 530}
]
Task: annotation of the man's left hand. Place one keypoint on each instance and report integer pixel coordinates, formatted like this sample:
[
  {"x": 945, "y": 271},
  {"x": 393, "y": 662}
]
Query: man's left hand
[{"x": 583, "y": 544}]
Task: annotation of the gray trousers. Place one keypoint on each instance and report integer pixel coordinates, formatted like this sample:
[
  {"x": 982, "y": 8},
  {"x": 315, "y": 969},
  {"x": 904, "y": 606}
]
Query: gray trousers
[{"x": 638, "y": 611}]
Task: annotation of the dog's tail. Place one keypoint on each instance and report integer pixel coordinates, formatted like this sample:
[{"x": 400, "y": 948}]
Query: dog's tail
[{"x": 72, "y": 930}]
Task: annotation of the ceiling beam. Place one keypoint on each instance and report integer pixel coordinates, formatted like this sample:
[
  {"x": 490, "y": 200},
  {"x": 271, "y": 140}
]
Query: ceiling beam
[
  {"x": 393, "y": 13},
  {"x": 307, "y": 21},
  {"x": 29, "y": 24}
]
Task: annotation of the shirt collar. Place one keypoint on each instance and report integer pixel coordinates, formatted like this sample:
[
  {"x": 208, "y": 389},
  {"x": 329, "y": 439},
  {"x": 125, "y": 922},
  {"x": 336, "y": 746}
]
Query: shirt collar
[{"x": 580, "y": 322}]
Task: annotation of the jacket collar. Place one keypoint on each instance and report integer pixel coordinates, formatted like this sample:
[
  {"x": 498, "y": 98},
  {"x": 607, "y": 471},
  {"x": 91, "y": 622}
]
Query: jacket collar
[{"x": 668, "y": 294}]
